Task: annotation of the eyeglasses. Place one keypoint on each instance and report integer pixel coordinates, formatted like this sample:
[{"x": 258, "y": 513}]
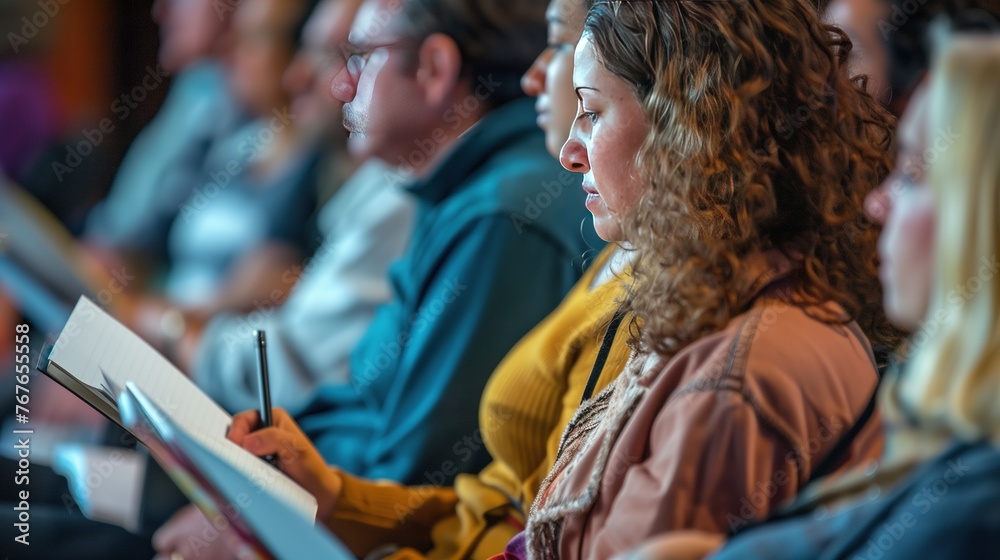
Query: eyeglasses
[{"x": 355, "y": 57}]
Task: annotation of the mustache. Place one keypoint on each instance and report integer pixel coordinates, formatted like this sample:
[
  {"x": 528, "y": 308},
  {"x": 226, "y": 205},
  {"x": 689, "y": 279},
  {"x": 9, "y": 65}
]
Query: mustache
[{"x": 354, "y": 120}]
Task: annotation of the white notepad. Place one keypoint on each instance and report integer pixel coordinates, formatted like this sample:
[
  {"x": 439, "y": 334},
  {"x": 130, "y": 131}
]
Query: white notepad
[
  {"x": 268, "y": 525},
  {"x": 95, "y": 357}
]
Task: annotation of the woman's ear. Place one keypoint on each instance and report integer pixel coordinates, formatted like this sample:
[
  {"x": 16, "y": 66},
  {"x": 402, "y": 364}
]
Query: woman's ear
[{"x": 439, "y": 66}]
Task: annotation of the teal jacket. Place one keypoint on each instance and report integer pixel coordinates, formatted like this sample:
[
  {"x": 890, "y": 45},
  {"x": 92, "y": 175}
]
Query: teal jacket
[{"x": 499, "y": 240}]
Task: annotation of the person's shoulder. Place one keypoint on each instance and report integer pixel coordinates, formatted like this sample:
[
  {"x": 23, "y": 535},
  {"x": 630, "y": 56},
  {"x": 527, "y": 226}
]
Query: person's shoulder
[
  {"x": 769, "y": 336},
  {"x": 519, "y": 168},
  {"x": 972, "y": 470},
  {"x": 954, "y": 503},
  {"x": 513, "y": 160},
  {"x": 778, "y": 357},
  {"x": 781, "y": 341},
  {"x": 522, "y": 200},
  {"x": 368, "y": 198},
  {"x": 962, "y": 486},
  {"x": 203, "y": 82}
]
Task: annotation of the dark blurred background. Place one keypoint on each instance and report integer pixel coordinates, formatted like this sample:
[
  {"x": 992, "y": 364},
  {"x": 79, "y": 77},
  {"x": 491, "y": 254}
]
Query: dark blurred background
[{"x": 80, "y": 60}]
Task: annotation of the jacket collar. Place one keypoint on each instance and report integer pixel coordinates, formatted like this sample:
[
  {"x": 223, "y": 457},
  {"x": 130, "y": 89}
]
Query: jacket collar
[
  {"x": 761, "y": 271},
  {"x": 502, "y": 126}
]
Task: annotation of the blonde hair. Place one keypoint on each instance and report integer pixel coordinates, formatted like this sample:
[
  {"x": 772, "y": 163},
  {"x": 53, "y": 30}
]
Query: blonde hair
[{"x": 952, "y": 381}]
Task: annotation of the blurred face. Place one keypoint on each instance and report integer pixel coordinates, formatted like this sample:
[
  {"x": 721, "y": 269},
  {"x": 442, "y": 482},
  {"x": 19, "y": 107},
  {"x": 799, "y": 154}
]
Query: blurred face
[
  {"x": 550, "y": 78},
  {"x": 904, "y": 205},
  {"x": 259, "y": 51},
  {"x": 860, "y": 20},
  {"x": 311, "y": 72},
  {"x": 603, "y": 142},
  {"x": 188, "y": 31},
  {"x": 383, "y": 110}
]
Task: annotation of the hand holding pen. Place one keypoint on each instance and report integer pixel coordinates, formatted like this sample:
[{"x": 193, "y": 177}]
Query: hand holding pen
[
  {"x": 274, "y": 436},
  {"x": 299, "y": 459}
]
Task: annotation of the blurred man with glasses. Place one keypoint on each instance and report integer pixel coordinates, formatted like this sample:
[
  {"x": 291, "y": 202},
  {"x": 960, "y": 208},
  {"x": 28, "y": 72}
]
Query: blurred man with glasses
[{"x": 433, "y": 88}]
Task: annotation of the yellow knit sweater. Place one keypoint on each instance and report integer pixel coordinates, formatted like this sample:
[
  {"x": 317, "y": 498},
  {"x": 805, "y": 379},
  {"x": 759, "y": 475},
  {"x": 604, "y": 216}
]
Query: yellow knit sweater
[{"x": 527, "y": 404}]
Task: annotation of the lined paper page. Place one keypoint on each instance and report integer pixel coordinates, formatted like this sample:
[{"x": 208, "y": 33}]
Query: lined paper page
[{"x": 93, "y": 344}]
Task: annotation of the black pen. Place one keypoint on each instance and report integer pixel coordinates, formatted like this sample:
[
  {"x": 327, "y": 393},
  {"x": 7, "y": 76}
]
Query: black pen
[{"x": 266, "y": 419}]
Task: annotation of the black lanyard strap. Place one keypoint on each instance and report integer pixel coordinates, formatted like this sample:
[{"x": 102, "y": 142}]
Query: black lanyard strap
[{"x": 602, "y": 354}]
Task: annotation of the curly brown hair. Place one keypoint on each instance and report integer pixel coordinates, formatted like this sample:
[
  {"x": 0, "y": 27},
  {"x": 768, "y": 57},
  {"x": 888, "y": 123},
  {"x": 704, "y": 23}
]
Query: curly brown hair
[{"x": 758, "y": 140}]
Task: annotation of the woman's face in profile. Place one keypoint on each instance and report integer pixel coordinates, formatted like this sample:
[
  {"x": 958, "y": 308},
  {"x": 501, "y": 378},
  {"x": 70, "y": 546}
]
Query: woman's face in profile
[
  {"x": 607, "y": 133},
  {"x": 550, "y": 78},
  {"x": 904, "y": 205}
]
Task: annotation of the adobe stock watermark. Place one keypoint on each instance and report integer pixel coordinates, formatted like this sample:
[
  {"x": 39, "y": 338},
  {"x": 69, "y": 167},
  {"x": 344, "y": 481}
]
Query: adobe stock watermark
[
  {"x": 899, "y": 16},
  {"x": 264, "y": 309},
  {"x": 99, "y": 472},
  {"x": 383, "y": 17},
  {"x": 250, "y": 149},
  {"x": 198, "y": 543},
  {"x": 32, "y": 25},
  {"x": 958, "y": 297},
  {"x": 420, "y": 321},
  {"x": 102, "y": 469},
  {"x": 761, "y": 501},
  {"x": 535, "y": 206},
  {"x": 766, "y": 493},
  {"x": 942, "y": 141},
  {"x": 455, "y": 117},
  {"x": 464, "y": 451},
  {"x": 117, "y": 283},
  {"x": 929, "y": 495},
  {"x": 122, "y": 108}
]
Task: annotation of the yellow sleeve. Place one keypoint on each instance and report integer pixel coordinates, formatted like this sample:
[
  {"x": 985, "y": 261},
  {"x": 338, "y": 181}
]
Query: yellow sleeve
[{"x": 369, "y": 514}]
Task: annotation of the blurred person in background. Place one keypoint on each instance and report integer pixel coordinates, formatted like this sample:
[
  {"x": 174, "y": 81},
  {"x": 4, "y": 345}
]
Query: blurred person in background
[
  {"x": 859, "y": 19},
  {"x": 271, "y": 27},
  {"x": 366, "y": 224},
  {"x": 166, "y": 161},
  {"x": 244, "y": 233},
  {"x": 248, "y": 222},
  {"x": 906, "y": 31},
  {"x": 891, "y": 44},
  {"x": 428, "y": 89}
]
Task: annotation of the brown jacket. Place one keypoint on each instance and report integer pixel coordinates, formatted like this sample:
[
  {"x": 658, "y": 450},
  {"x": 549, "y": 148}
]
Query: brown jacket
[{"x": 713, "y": 438}]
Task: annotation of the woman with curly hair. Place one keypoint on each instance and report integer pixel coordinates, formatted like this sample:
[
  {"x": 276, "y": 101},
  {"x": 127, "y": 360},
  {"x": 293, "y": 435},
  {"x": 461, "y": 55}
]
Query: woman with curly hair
[
  {"x": 754, "y": 270},
  {"x": 934, "y": 493}
]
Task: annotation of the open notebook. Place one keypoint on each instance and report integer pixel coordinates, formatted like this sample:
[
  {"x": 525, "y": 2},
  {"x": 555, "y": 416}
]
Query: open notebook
[
  {"x": 267, "y": 527},
  {"x": 95, "y": 357}
]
